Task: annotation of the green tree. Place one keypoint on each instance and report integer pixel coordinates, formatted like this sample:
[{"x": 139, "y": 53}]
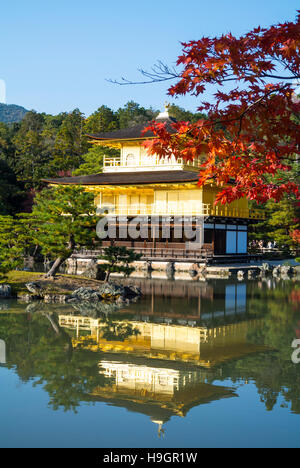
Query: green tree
[
  {"x": 283, "y": 217},
  {"x": 70, "y": 143},
  {"x": 93, "y": 160},
  {"x": 103, "y": 120},
  {"x": 46, "y": 146},
  {"x": 11, "y": 191},
  {"x": 11, "y": 250},
  {"x": 7, "y": 149},
  {"x": 31, "y": 161},
  {"x": 118, "y": 260},
  {"x": 180, "y": 114},
  {"x": 65, "y": 219},
  {"x": 133, "y": 114}
]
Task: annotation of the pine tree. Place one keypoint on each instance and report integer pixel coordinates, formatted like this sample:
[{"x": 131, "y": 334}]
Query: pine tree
[
  {"x": 70, "y": 143},
  {"x": 103, "y": 120},
  {"x": 11, "y": 250},
  {"x": 93, "y": 160},
  {"x": 133, "y": 114},
  {"x": 118, "y": 260},
  {"x": 65, "y": 219},
  {"x": 11, "y": 191}
]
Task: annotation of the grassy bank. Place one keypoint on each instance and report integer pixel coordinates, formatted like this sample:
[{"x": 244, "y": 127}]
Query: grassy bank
[{"x": 62, "y": 284}]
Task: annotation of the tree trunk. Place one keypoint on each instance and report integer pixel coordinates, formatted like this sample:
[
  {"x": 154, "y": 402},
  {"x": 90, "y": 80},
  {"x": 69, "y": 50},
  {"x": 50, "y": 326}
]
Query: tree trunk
[
  {"x": 54, "y": 269},
  {"x": 61, "y": 332},
  {"x": 55, "y": 327},
  {"x": 60, "y": 260},
  {"x": 107, "y": 276}
]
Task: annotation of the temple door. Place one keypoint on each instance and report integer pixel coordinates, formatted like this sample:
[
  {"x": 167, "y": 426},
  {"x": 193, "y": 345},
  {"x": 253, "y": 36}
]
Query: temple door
[{"x": 220, "y": 242}]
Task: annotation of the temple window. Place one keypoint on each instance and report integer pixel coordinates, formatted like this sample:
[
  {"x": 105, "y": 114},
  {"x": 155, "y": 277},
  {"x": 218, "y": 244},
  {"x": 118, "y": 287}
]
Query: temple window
[{"x": 130, "y": 160}]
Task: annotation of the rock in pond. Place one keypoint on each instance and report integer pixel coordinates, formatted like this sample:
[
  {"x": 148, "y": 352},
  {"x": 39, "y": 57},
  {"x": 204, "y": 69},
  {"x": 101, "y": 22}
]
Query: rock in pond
[
  {"x": 240, "y": 275},
  {"x": 276, "y": 271},
  {"x": 5, "y": 291},
  {"x": 252, "y": 274},
  {"x": 286, "y": 270},
  {"x": 35, "y": 288},
  {"x": 107, "y": 291},
  {"x": 96, "y": 309}
]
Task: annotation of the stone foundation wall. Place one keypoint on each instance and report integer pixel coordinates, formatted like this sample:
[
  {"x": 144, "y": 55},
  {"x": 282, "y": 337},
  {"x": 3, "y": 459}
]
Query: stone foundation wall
[
  {"x": 159, "y": 270},
  {"x": 78, "y": 266}
]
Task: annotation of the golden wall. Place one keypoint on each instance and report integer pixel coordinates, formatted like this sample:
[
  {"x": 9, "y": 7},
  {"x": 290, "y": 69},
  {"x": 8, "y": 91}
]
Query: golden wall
[{"x": 175, "y": 200}]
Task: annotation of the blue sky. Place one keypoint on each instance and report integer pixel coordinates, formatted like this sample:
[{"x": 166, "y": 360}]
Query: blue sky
[{"x": 56, "y": 55}]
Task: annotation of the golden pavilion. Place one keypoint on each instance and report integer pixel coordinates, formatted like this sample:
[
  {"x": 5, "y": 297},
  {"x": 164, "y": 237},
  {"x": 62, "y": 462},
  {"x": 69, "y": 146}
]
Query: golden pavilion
[{"x": 163, "y": 190}]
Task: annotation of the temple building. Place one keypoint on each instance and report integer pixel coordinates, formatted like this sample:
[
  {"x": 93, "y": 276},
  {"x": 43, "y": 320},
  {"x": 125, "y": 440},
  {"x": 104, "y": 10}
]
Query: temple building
[{"x": 164, "y": 195}]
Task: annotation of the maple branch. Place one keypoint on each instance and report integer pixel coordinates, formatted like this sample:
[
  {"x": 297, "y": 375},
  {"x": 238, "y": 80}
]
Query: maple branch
[
  {"x": 265, "y": 75},
  {"x": 258, "y": 101},
  {"x": 162, "y": 72},
  {"x": 159, "y": 72}
]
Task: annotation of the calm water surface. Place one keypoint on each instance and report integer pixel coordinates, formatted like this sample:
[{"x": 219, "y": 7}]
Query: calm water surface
[{"x": 190, "y": 365}]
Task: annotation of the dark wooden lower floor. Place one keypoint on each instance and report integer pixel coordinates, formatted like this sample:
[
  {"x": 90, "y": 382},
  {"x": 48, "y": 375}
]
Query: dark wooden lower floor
[
  {"x": 172, "y": 253},
  {"x": 212, "y": 237}
]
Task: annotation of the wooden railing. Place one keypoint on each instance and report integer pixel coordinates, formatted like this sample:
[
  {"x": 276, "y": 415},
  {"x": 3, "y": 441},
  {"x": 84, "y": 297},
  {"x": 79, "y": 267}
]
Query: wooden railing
[
  {"x": 150, "y": 161},
  {"x": 157, "y": 253},
  {"x": 228, "y": 212},
  {"x": 160, "y": 209},
  {"x": 181, "y": 209},
  {"x": 175, "y": 254},
  {"x": 111, "y": 162}
]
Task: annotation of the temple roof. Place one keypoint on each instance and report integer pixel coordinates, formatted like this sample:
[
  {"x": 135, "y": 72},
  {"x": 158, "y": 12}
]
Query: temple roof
[
  {"x": 133, "y": 133},
  {"x": 128, "y": 178}
]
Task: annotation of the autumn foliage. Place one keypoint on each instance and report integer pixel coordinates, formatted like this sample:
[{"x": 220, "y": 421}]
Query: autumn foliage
[
  {"x": 296, "y": 236},
  {"x": 251, "y": 134}
]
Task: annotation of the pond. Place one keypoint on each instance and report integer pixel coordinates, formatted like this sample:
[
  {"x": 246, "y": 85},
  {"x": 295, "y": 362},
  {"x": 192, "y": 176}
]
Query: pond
[{"x": 191, "y": 364}]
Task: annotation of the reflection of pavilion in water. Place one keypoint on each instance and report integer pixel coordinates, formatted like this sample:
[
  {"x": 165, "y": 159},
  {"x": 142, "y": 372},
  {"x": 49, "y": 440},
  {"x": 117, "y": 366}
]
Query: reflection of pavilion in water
[
  {"x": 207, "y": 339},
  {"x": 164, "y": 369},
  {"x": 156, "y": 389},
  {"x": 202, "y": 346},
  {"x": 205, "y": 301}
]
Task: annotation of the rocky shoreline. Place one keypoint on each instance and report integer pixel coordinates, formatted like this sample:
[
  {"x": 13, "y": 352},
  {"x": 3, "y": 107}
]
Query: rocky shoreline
[
  {"x": 106, "y": 292},
  {"x": 75, "y": 290}
]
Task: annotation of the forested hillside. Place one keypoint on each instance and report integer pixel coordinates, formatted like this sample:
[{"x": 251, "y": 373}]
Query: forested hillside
[{"x": 10, "y": 113}]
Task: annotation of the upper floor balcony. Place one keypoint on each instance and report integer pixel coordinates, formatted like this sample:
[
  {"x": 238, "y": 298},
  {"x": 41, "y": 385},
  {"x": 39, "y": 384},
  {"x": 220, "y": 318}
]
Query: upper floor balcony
[{"x": 133, "y": 162}]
